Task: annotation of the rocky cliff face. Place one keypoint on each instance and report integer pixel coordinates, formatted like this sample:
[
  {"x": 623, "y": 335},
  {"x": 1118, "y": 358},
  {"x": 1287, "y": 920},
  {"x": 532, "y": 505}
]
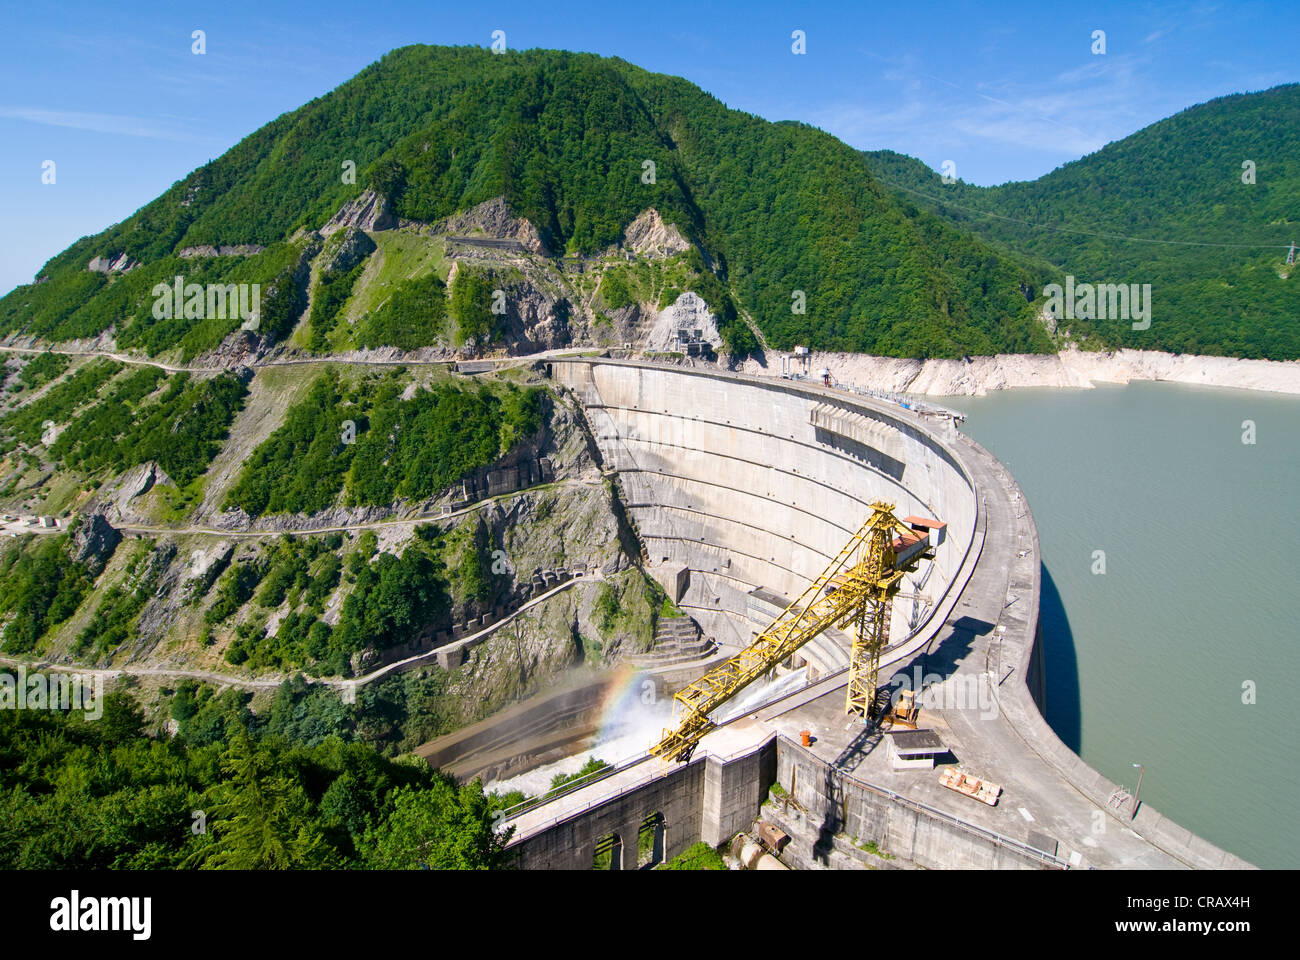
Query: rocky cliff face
[
  {"x": 207, "y": 250},
  {"x": 649, "y": 236},
  {"x": 94, "y": 541},
  {"x": 354, "y": 246},
  {"x": 1072, "y": 368},
  {"x": 688, "y": 312},
  {"x": 242, "y": 348},
  {"x": 367, "y": 212},
  {"x": 550, "y": 304},
  {"x": 495, "y": 220},
  {"x": 119, "y": 263},
  {"x": 119, "y": 499},
  {"x": 536, "y": 319}
]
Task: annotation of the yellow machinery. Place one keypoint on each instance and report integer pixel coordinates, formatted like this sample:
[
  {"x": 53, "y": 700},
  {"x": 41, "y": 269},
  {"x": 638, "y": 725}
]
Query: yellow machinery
[
  {"x": 856, "y": 589},
  {"x": 904, "y": 712}
]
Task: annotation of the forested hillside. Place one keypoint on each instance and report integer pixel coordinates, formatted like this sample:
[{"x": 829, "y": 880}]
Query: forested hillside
[
  {"x": 229, "y": 791},
  {"x": 1171, "y": 206},
  {"x": 786, "y": 216}
]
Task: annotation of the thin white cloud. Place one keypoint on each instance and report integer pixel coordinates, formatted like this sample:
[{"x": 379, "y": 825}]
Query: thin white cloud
[
  {"x": 1027, "y": 133},
  {"x": 101, "y": 123},
  {"x": 1059, "y": 125},
  {"x": 1042, "y": 120},
  {"x": 856, "y": 124}
]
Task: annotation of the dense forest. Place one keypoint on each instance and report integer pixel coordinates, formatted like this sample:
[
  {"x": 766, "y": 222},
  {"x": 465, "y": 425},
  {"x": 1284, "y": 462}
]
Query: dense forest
[
  {"x": 229, "y": 790},
  {"x": 111, "y": 419},
  {"x": 364, "y": 440},
  {"x": 1180, "y": 205},
  {"x": 74, "y": 303},
  {"x": 180, "y": 428},
  {"x": 392, "y": 598},
  {"x": 787, "y": 217},
  {"x": 40, "y": 587}
]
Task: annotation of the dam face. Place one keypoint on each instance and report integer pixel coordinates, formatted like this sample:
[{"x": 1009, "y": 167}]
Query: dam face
[
  {"x": 741, "y": 491},
  {"x": 755, "y": 485}
]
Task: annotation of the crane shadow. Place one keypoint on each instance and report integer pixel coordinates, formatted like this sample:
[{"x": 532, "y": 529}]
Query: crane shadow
[{"x": 944, "y": 659}]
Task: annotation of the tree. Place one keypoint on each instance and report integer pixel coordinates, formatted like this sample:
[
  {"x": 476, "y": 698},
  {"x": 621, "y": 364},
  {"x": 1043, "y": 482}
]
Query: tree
[
  {"x": 259, "y": 817},
  {"x": 439, "y": 828},
  {"x": 471, "y": 306}
]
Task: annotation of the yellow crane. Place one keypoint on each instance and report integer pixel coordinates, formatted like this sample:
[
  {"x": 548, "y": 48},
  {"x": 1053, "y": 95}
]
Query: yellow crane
[{"x": 856, "y": 589}]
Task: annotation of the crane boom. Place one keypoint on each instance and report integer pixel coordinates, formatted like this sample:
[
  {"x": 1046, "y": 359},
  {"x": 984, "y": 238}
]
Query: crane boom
[{"x": 856, "y": 588}]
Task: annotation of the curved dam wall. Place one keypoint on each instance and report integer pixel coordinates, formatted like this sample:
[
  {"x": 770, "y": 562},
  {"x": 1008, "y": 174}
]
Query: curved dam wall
[
  {"x": 747, "y": 487},
  {"x": 755, "y": 484}
]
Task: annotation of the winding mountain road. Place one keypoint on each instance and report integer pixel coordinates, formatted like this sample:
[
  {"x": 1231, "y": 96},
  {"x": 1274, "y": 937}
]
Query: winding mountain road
[{"x": 347, "y": 687}]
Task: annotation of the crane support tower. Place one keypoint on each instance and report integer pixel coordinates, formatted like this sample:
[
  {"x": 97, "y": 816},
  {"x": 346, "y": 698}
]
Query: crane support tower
[{"x": 857, "y": 589}]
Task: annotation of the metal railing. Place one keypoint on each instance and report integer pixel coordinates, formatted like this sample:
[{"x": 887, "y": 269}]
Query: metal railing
[
  {"x": 905, "y": 400},
  {"x": 509, "y": 813}
]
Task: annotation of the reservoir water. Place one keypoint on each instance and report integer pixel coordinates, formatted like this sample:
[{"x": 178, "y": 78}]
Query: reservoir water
[{"x": 1182, "y": 655}]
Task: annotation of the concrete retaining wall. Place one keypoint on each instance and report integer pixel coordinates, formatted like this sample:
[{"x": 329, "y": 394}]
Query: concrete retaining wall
[
  {"x": 571, "y": 843},
  {"x": 709, "y": 799},
  {"x": 713, "y": 799},
  {"x": 842, "y": 804}
]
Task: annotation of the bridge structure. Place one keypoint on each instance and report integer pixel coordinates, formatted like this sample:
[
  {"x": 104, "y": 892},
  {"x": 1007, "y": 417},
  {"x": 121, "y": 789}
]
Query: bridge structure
[{"x": 751, "y": 486}]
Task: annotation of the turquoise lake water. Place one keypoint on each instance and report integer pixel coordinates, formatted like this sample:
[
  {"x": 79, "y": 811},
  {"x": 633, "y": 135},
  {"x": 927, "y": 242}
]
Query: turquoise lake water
[{"x": 1198, "y": 608}]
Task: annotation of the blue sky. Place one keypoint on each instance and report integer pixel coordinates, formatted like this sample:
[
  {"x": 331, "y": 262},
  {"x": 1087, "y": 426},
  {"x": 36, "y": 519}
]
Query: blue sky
[{"x": 113, "y": 94}]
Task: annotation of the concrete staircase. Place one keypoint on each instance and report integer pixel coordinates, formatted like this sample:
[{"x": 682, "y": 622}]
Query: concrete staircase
[
  {"x": 621, "y": 491},
  {"x": 677, "y": 640}
]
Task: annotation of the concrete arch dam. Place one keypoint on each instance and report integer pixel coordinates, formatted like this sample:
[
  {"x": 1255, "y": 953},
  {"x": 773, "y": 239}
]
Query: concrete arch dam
[{"x": 741, "y": 490}]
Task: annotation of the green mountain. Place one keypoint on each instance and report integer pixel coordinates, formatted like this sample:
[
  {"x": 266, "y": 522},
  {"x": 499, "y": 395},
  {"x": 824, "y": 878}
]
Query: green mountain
[
  {"x": 879, "y": 253},
  {"x": 1168, "y": 206},
  {"x": 780, "y": 215}
]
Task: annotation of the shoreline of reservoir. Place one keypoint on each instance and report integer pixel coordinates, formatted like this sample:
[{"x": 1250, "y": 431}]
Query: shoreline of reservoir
[
  {"x": 967, "y": 377},
  {"x": 1071, "y": 368}
]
